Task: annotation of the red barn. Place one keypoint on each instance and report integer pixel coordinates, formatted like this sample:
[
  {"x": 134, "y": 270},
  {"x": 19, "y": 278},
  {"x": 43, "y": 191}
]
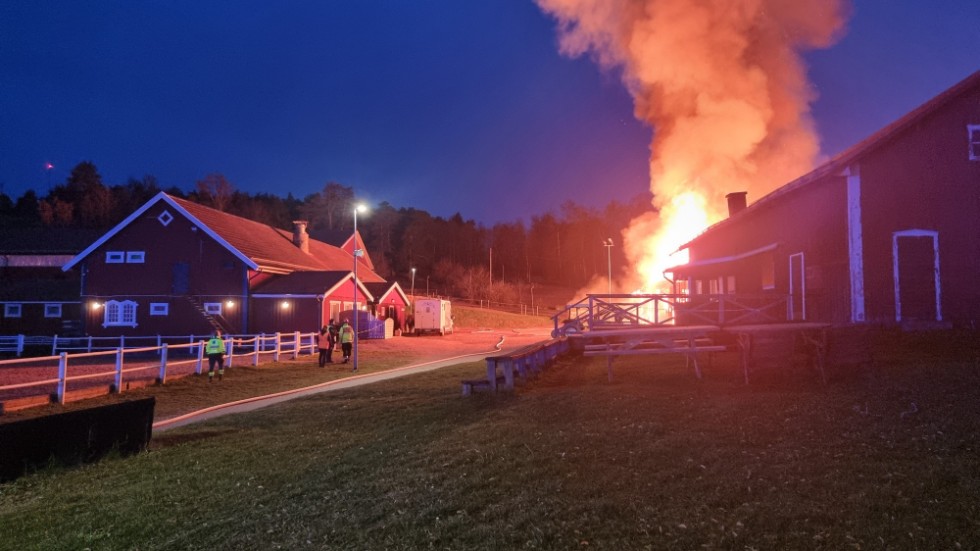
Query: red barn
[
  {"x": 888, "y": 232},
  {"x": 174, "y": 267}
]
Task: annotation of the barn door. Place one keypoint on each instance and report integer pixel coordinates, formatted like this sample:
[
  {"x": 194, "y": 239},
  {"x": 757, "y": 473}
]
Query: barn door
[
  {"x": 916, "y": 266},
  {"x": 797, "y": 288}
]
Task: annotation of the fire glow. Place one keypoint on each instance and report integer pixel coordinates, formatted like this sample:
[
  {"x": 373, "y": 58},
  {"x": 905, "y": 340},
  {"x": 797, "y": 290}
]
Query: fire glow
[{"x": 723, "y": 86}]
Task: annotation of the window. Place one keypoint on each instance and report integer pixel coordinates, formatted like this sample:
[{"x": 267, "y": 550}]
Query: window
[
  {"x": 730, "y": 285},
  {"x": 768, "y": 272},
  {"x": 120, "y": 313},
  {"x": 135, "y": 257},
  {"x": 213, "y": 308},
  {"x": 114, "y": 257},
  {"x": 11, "y": 310},
  {"x": 52, "y": 310},
  {"x": 973, "y": 132},
  {"x": 159, "y": 308},
  {"x": 165, "y": 218}
]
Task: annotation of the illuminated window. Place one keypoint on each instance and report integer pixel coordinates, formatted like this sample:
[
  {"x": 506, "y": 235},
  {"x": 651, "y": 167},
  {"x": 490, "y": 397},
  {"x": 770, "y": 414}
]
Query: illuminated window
[
  {"x": 114, "y": 257},
  {"x": 973, "y": 131},
  {"x": 52, "y": 310},
  {"x": 159, "y": 308},
  {"x": 135, "y": 257},
  {"x": 730, "y": 285},
  {"x": 12, "y": 310},
  {"x": 120, "y": 313}
]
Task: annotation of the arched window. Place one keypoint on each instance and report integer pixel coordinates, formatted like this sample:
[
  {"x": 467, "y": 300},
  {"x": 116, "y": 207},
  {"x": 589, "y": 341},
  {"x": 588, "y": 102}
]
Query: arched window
[{"x": 120, "y": 313}]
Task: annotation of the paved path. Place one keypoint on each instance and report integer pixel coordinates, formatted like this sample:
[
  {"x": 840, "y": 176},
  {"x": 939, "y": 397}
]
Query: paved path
[{"x": 257, "y": 402}]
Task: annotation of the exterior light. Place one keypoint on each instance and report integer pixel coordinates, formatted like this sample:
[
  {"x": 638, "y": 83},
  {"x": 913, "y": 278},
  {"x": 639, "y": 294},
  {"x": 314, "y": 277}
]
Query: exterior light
[
  {"x": 230, "y": 304},
  {"x": 284, "y": 305}
]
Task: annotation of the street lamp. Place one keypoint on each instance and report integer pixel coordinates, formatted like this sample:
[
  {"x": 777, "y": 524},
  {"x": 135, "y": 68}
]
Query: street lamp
[
  {"x": 608, "y": 243},
  {"x": 357, "y": 253},
  {"x": 413, "y": 292}
]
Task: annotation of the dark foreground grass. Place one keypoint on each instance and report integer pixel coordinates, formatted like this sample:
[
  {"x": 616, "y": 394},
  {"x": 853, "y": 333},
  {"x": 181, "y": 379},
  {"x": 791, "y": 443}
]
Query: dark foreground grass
[{"x": 653, "y": 460}]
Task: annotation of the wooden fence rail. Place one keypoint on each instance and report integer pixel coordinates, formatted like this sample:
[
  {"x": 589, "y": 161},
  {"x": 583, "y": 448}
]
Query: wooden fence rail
[{"x": 120, "y": 363}]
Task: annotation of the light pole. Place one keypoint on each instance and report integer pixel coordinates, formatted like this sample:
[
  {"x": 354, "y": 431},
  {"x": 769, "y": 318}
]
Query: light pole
[
  {"x": 608, "y": 243},
  {"x": 357, "y": 253},
  {"x": 413, "y": 292}
]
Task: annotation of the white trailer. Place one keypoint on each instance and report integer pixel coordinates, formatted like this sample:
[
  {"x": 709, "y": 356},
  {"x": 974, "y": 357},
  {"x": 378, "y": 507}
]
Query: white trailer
[{"x": 433, "y": 315}]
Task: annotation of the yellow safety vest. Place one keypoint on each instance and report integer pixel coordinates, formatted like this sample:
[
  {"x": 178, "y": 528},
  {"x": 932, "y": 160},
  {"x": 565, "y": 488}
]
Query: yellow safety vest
[{"x": 215, "y": 346}]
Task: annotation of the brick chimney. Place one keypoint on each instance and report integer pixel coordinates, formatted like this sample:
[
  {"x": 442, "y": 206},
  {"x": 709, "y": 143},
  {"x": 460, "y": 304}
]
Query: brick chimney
[
  {"x": 736, "y": 202},
  {"x": 300, "y": 238}
]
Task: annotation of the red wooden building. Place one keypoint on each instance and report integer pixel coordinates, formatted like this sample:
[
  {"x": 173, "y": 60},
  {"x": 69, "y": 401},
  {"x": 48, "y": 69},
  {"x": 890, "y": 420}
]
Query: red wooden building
[
  {"x": 174, "y": 267},
  {"x": 888, "y": 232}
]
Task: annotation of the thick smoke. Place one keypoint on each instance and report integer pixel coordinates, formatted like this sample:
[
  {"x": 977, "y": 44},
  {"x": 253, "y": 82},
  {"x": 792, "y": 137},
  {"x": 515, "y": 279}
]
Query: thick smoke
[{"x": 723, "y": 86}]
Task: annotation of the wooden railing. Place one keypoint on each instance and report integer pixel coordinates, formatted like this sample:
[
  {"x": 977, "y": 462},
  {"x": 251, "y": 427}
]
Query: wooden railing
[
  {"x": 605, "y": 311},
  {"x": 522, "y": 363}
]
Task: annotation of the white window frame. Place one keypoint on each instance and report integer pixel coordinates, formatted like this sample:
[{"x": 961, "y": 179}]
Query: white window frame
[
  {"x": 13, "y": 310},
  {"x": 115, "y": 257},
  {"x": 52, "y": 310},
  {"x": 934, "y": 235},
  {"x": 135, "y": 257},
  {"x": 165, "y": 218},
  {"x": 973, "y": 139},
  {"x": 159, "y": 308},
  {"x": 212, "y": 308},
  {"x": 119, "y": 313}
]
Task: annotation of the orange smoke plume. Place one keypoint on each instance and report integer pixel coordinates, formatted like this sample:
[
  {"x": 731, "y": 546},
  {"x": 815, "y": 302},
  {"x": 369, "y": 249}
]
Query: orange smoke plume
[{"x": 722, "y": 84}]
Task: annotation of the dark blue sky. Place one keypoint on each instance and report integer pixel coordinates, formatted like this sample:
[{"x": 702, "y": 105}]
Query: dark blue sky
[{"x": 445, "y": 105}]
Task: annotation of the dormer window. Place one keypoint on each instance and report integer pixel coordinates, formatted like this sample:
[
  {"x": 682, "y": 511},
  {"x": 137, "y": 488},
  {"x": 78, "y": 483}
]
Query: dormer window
[{"x": 973, "y": 133}]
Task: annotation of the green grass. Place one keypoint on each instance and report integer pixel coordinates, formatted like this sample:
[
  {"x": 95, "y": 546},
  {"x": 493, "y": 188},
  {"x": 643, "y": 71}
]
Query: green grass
[
  {"x": 652, "y": 460},
  {"x": 476, "y": 318}
]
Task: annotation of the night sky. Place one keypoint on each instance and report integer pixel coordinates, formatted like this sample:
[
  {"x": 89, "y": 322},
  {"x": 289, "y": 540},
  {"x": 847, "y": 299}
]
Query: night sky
[{"x": 444, "y": 105}]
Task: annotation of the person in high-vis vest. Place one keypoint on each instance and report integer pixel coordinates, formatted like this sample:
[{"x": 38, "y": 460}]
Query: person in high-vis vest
[
  {"x": 346, "y": 339},
  {"x": 215, "y": 349}
]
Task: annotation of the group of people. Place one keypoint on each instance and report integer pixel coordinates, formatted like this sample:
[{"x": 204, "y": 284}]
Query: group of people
[{"x": 328, "y": 338}]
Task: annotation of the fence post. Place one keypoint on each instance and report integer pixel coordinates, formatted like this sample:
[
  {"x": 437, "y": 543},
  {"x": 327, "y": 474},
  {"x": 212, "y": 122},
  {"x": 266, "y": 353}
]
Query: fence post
[
  {"x": 200, "y": 358},
  {"x": 20, "y": 345},
  {"x": 54, "y": 345},
  {"x": 278, "y": 344},
  {"x": 119, "y": 364},
  {"x": 296, "y": 344},
  {"x": 255, "y": 350},
  {"x": 122, "y": 341},
  {"x": 162, "y": 378},
  {"x": 230, "y": 351},
  {"x": 158, "y": 344},
  {"x": 89, "y": 343},
  {"x": 62, "y": 377}
]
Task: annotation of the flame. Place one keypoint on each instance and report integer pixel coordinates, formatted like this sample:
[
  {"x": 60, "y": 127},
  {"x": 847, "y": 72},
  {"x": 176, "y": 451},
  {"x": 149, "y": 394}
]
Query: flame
[{"x": 723, "y": 85}]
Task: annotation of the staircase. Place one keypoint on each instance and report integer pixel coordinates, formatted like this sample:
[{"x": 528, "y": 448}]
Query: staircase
[{"x": 216, "y": 322}]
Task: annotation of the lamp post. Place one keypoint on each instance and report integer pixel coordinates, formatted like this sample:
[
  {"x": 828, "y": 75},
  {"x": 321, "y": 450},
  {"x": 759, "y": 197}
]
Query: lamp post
[
  {"x": 413, "y": 292},
  {"x": 608, "y": 243},
  {"x": 357, "y": 253}
]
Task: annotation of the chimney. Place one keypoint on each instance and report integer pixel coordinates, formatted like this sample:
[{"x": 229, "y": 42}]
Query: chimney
[
  {"x": 300, "y": 238},
  {"x": 736, "y": 202}
]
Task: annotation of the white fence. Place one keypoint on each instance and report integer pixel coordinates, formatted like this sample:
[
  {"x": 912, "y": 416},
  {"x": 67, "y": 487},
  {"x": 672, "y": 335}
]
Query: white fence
[{"x": 127, "y": 357}]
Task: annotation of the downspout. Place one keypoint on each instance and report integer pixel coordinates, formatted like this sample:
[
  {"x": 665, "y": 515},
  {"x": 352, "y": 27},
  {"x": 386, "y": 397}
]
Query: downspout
[
  {"x": 855, "y": 242},
  {"x": 246, "y": 301}
]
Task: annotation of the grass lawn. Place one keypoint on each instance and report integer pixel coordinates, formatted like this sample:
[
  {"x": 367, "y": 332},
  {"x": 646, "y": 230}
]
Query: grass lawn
[{"x": 883, "y": 457}]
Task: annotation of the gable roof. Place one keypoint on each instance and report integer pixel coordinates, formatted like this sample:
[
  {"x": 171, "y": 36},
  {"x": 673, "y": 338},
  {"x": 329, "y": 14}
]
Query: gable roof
[
  {"x": 259, "y": 246},
  {"x": 382, "y": 290},
  {"x": 840, "y": 162}
]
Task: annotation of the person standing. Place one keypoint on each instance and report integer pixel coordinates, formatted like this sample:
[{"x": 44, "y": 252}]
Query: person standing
[
  {"x": 346, "y": 340},
  {"x": 331, "y": 340},
  {"x": 323, "y": 344},
  {"x": 215, "y": 349}
]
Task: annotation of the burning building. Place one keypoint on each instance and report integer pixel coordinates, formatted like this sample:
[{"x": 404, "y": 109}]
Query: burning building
[{"x": 888, "y": 232}]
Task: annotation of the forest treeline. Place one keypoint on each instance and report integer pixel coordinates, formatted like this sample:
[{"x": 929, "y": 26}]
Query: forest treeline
[{"x": 451, "y": 256}]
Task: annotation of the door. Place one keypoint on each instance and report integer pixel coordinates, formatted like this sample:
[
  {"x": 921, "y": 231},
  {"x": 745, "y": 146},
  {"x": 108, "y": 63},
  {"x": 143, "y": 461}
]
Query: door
[
  {"x": 181, "y": 278},
  {"x": 916, "y": 265},
  {"x": 797, "y": 288}
]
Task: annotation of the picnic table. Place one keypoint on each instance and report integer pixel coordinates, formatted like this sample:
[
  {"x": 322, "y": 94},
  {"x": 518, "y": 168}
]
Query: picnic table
[{"x": 689, "y": 340}]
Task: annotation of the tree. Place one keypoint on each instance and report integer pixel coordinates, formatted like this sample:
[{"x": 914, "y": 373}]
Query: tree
[
  {"x": 331, "y": 208},
  {"x": 215, "y": 190}
]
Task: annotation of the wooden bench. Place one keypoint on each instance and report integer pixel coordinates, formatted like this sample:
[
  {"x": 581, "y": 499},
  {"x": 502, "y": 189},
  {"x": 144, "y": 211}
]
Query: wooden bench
[{"x": 523, "y": 363}]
